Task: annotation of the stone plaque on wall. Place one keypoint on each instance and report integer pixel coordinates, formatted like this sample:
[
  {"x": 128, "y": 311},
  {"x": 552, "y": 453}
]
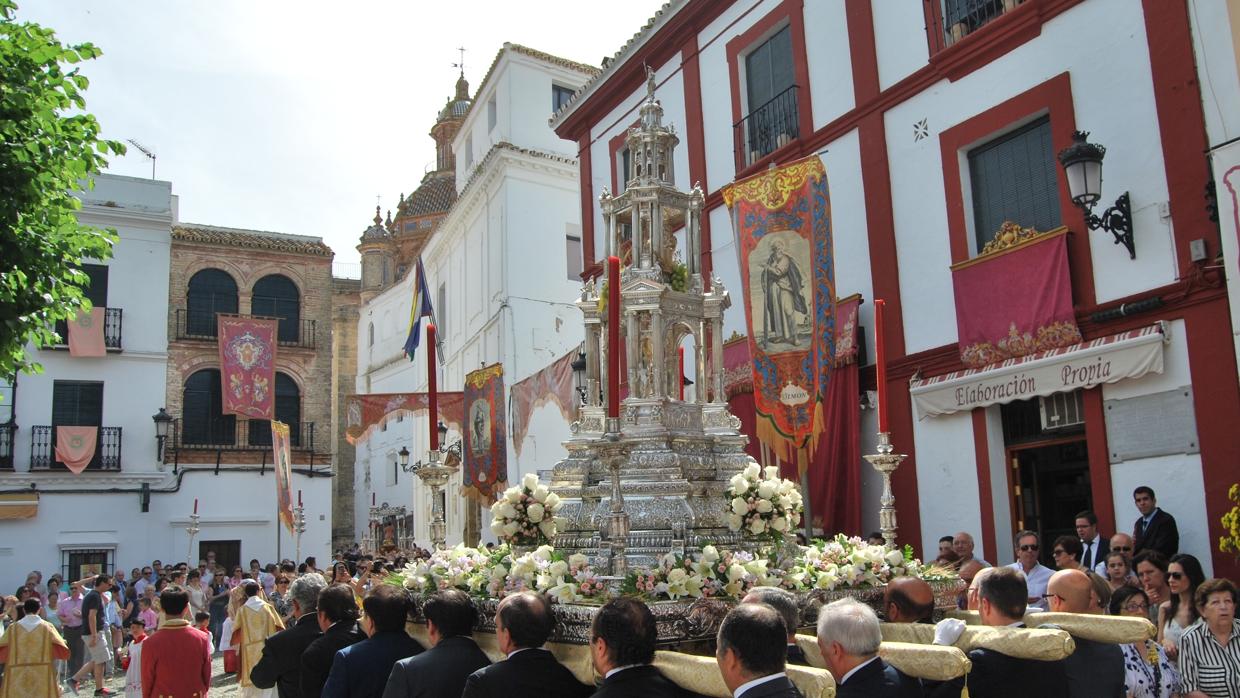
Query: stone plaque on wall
[{"x": 1158, "y": 424}]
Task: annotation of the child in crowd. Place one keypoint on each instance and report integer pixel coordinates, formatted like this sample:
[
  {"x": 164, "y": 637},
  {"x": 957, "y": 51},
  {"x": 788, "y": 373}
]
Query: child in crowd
[
  {"x": 131, "y": 660},
  {"x": 147, "y": 615},
  {"x": 202, "y": 621}
]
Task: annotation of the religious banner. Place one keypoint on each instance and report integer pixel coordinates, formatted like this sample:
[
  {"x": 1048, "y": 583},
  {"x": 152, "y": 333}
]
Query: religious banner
[
  {"x": 75, "y": 446},
  {"x": 281, "y": 445},
  {"x": 365, "y": 413},
  {"x": 86, "y": 333},
  {"x": 1015, "y": 298},
  {"x": 737, "y": 369},
  {"x": 1225, "y": 161},
  {"x": 486, "y": 438},
  {"x": 782, "y": 221},
  {"x": 552, "y": 384},
  {"x": 248, "y": 365},
  {"x": 834, "y": 475}
]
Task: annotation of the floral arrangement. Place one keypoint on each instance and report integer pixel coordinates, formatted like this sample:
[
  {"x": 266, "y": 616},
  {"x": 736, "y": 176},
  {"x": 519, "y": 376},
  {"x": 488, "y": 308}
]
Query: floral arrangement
[
  {"x": 711, "y": 574},
  {"x": 495, "y": 574},
  {"x": 761, "y": 504},
  {"x": 850, "y": 562},
  {"x": 1229, "y": 542},
  {"x": 525, "y": 515}
]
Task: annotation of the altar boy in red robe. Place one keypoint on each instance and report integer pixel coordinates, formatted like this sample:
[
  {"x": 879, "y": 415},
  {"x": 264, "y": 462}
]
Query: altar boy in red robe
[{"x": 176, "y": 661}]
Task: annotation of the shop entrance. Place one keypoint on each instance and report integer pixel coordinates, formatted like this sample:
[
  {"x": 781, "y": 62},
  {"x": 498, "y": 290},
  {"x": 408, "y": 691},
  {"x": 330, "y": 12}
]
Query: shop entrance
[{"x": 1048, "y": 478}]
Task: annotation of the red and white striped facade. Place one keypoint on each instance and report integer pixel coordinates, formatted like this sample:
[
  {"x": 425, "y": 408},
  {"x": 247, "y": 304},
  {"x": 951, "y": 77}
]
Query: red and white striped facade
[{"x": 893, "y": 111}]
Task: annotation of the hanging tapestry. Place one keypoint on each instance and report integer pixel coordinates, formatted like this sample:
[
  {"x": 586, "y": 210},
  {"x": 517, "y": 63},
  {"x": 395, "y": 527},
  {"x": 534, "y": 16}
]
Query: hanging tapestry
[
  {"x": 365, "y": 413},
  {"x": 486, "y": 437},
  {"x": 1015, "y": 298},
  {"x": 782, "y": 221},
  {"x": 248, "y": 365},
  {"x": 835, "y": 476},
  {"x": 86, "y": 333},
  {"x": 75, "y": 446},
  {"x": 552, "y": 384},
  {"x": 280, "y": 444}
]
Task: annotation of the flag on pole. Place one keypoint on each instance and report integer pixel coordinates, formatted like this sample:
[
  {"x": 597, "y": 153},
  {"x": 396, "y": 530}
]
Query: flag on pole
[
  {"x": 284, "y": 473},
  {"x": 421, "y": 308}
]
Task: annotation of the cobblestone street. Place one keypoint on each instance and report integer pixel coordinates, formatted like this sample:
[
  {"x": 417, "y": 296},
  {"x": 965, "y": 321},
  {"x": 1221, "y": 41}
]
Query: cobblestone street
[{"x": 222, "y": 685}]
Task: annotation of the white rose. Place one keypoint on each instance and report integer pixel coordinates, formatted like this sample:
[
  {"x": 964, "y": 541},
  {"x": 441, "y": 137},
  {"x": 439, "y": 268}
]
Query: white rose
[
  {"x": 895, "y": 558},
  {"x": 497, "y": 527},
  {"x": 540, "y": 493},
  {"x": 767, "y": 489},
  {"x": 547, "y": 526},
  {"x": 764, "y": 506},
  {"x": 542, "y": 582},
  {"x": 752, "y": 471},
  {"x": 757, "y": 526},
  {"x": 510, "y": 528},
  {"x": 543, "y": 552},
  {"x": 578, "y": 560},
  {"x": 772, "y": 472},
  {"x": 710, "y": 554},
  {"x": 735, "y": 522},
  {"x": 513, "y": 494},
  {"x": 507, "y": 510},
  {"x": 779, "y": 523},
  {"x": 677, "y": 576},
  {"x": 535, "y": 512},
  {"x": 552, "y": 502},
  {"x": 735, "y": 572},
  {"x": 738, "y": 484},
  {"x": 739, "y": 506},
  {"x": 530, "y": 481}
]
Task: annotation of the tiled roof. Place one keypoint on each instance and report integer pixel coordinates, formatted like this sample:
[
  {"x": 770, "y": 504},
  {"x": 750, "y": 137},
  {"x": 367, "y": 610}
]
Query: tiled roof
[
  {"x": 252, "y": 239},
  {"x": 536, "y": 54},
  {"x": 434, "y": 195},
  {"x": 669, "y": 8}
]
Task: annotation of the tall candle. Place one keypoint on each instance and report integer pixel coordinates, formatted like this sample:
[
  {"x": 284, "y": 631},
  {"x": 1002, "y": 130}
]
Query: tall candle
[
  {"x": 432, "y": 387},
  {"x": 613, "y": 336},
  {"x": 195, "y": 505},
  {"x": 680, "y": 373},
  {"x": 372, "y": 499},
  {"x": 880, "y": 363}
]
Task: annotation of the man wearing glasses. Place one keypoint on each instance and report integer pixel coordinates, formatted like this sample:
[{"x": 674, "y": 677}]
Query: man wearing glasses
[{"x": 1037, "y": 576}]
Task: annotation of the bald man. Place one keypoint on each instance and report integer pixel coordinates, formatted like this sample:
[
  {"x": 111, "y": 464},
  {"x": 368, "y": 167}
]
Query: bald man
[
  {"x": 908, "y": 600},
  {"x": 968, "y": 572},
  {"x": 962, "y": 545},
  {"x": 975, "y": 585},
  {"x": 1094, "y": 668}
]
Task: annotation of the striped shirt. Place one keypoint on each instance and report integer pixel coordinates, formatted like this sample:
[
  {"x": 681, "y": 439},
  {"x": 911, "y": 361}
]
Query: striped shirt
[{"x": 1209, "y": 667}]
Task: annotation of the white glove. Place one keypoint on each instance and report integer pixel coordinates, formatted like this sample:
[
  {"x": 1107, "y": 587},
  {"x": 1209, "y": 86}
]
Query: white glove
[{"x": 948, "y": 630}]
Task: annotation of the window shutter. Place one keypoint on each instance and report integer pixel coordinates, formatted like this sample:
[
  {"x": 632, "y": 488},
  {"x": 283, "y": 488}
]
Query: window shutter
[
  {"x": 77, "y": 403},
  {"x": 1013, "y": 178},
  {"x": 97, "y": 292}
]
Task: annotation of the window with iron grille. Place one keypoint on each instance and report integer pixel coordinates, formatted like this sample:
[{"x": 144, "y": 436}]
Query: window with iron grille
[
  {"x": 202, "y": 411},
  {"x": 79, "y": 564},
  {"x": 276, "y": 296},
  {"x": 210, "y": 291},
  {"x": 772, "y": 117},
  {"x": 288, "y": 410},
  {"x": 768, "y": 69},
  {"x": 1013, "y": 178}
]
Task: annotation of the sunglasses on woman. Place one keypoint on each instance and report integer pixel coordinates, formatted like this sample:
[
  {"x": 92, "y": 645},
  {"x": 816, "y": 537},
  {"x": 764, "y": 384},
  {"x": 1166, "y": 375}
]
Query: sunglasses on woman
[{"x": 1176, "y": 575}]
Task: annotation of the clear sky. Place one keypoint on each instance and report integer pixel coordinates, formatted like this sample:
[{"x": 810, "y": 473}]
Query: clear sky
[{"x": 294, "y": 116}]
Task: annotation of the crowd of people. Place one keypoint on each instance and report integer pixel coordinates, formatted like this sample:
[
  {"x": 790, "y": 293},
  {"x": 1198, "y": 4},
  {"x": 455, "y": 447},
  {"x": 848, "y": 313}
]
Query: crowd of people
[{"x": 297, "y": 631}]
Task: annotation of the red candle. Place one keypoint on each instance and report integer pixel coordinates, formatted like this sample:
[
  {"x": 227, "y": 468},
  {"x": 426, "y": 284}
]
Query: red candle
[
  {"x": 680, "y": 373},
  {"x": 613, "y": 336},
  {"x": 195, "y": 505},
  {"x": 431, "y": 389},
  {"x": 298, "y": 497},
  {"x": 880, "y": 363}
]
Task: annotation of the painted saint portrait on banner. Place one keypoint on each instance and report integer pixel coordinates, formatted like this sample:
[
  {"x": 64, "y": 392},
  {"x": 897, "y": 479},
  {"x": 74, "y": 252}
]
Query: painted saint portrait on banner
[
  {"x": 480, "y": 426},
  {"x": 780, "y": 263}
]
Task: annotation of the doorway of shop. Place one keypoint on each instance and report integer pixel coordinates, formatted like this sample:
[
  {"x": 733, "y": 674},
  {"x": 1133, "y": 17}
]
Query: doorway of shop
[{"x": 1048, "y": 476}]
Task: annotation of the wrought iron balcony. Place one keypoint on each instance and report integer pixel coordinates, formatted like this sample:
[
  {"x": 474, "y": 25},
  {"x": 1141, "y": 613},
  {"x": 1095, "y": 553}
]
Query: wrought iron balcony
[
  {"x": 111, "y": 330},
  {"x": 201, "y": 325},
  {"x": 8, "y": 433},
  {"x": 768, "y": 128},
  {"x": 231, "y": 434},
  {"x": 963, "y": 17},
  {"x": 43, "y": 449}
]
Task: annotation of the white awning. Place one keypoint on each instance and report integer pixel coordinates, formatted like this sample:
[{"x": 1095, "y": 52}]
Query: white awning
[{"x": 1085, "y": 365}]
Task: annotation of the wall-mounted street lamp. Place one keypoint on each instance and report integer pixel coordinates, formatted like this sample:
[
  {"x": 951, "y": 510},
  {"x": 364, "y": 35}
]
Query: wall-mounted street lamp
[
  {"x": 579, "y": 375},
  {"x": 162, "y": 421},
  {"x": 404, "y": 458},
  {"x": 1082, "y": 164}
]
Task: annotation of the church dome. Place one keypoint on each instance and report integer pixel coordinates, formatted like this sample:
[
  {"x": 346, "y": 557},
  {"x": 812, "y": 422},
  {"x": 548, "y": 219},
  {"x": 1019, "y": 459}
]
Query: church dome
[
  {"x": 459, "y": 104},
  {"x": 376, "y": 232}
]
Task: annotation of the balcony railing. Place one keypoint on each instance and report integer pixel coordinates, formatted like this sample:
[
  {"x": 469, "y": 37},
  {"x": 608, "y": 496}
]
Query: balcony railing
[
  {"x": 232, "y": 434},
  {"x": 43, "y": 449},
  {"x": 963, "y": 17},
  {"x": 768, "y": 127},
  {"x": 202, "y": 325},
  {"x": 111, "y": 329},
  {"x": 8, "y": 432}
]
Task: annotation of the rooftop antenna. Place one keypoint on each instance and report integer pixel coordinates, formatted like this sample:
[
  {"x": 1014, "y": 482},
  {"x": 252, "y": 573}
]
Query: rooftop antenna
[
  {"x": 461, "y": 65},
  {"x": 145, "y": 151}
]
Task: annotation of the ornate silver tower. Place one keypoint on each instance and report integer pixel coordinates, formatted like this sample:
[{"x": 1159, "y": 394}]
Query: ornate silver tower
[{"x": 674, "y": 457}]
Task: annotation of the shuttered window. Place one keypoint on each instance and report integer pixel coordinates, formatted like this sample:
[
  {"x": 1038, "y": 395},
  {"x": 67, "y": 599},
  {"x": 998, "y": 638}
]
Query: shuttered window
[
  {"x": 210, "y": 291},
  {"x": 768, "y": 69},
  {"x": 202, "y": 407},
  {"x": 77, "y": 403},
  {"x": 97, "y": 292},
  {"x": 1013, "y": 179},
  {"x": 276, "y": 296},
  {"x": 288, "y": 410}
]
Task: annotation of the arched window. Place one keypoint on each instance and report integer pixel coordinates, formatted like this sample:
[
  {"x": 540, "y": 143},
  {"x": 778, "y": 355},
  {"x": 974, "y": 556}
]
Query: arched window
[
  {"x": 210, "y": 291},
  {"x": 276, "y": 295},
  {"x": 202, "y": 418},
  {"x": 288, "y": 410}
]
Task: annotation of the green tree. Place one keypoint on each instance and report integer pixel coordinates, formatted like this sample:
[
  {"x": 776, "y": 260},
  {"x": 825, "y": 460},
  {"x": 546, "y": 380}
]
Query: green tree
[{"x": 50, "y": 150}]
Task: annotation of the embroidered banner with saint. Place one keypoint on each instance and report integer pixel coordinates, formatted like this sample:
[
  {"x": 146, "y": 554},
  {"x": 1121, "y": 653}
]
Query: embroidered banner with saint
[
  {"x": 486, "y": 438},
  {"x": 553, "y": 383},
  {"x": 782, "y": 221},
  {"x": 365, "y": 413},
  {"x": 248, "y": 365}
]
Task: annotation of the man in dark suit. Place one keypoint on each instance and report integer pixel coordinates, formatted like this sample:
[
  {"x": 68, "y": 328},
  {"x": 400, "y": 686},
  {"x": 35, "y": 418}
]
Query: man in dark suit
[
  {"x": 786, "y": 605},
  {"x": 1094, "y": 669},
  {"x": 337, "y": 618},
  {"x": 749, "y": 654},
  {"x": 280, "y": 664},
  {"x": 359, "y": 671},
  {"x": 1094, "y": 547},
  {"x": 440, "y": 672},
  {"x": 622, "y": 641},
  {"x": 849, "y": 636},
  {"x": 1155, "y": 529},
  {"x": 523, "y": 622},
  {"x": 1002, "y": 595}
]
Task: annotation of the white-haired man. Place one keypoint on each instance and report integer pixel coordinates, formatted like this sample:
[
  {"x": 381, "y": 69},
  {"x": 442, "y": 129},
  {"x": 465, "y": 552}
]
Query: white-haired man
[
  {"x": 280, "y": 664},
  {"x": 849, "y": 636}
]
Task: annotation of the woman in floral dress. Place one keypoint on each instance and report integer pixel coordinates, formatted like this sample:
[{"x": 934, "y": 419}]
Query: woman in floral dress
[{"x": 1147, "y": 672}]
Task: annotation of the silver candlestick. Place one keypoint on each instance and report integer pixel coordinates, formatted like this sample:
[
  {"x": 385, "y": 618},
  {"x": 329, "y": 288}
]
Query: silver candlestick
[
  {"x": 886, "y": 462},
  {"x": 299, "y": 527},
  {"x": 615, "y": 453},
  {"x": 435, "y": 474},
  {"x": 192, "y": 530}
]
